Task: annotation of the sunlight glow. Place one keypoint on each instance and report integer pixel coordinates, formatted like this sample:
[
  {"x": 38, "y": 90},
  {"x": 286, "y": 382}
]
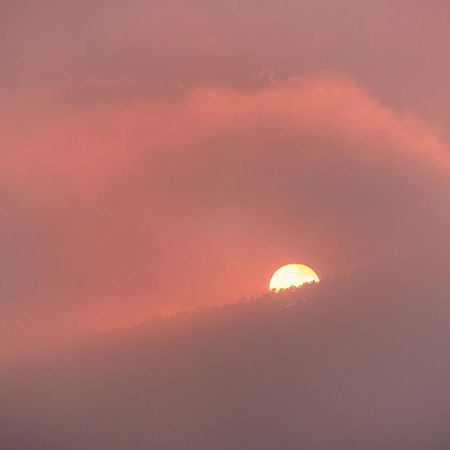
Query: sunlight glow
[{"x": 292, "y": 275}]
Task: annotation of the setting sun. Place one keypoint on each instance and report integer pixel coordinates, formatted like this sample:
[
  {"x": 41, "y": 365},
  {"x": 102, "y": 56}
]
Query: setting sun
[{"x": 292, "y": 275}]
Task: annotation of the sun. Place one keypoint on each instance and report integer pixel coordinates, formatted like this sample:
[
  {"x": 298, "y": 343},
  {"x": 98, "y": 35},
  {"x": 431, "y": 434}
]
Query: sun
[{"x": 292, "y": 275}]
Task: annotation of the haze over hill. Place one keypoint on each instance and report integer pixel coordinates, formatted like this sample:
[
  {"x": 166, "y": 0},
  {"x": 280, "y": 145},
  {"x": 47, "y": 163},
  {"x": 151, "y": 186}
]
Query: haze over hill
[
  {"x": 159, "y": 156},
  {"x": 356, "y": 362},
  {"x": 164, "y": 159}
]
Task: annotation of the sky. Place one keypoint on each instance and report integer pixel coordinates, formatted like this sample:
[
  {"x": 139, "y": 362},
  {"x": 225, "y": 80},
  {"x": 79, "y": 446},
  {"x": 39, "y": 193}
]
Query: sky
[{"x": 161, "y": 157}]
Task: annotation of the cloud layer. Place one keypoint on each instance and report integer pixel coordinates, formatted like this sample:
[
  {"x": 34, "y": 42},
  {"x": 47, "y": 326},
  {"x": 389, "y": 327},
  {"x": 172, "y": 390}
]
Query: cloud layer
[
  {"x": 157, "y": 157},
  {"x": 116, "y": 211}
]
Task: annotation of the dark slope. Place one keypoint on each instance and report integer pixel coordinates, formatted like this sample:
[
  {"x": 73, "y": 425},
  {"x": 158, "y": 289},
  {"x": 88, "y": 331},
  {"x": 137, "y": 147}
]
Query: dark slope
[{"x": 359, "y": 362}]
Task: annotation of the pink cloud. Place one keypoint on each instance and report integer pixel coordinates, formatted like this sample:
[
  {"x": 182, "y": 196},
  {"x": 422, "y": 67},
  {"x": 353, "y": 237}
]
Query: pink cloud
[{"x": 153, "y": 206}]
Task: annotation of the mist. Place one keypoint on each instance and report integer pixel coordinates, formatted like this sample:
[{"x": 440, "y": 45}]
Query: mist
[
  {"x": 352, "y": 362},
  {"x": 159, "y": 161}
]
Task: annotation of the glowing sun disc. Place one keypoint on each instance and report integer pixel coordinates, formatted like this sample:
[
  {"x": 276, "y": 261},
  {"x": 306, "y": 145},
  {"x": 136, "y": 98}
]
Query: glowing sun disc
[{"x": 292, "y": 275}]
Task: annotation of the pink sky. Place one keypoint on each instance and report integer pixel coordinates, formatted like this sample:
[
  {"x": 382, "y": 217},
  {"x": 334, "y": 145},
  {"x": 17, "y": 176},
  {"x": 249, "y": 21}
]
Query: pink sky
[
  {"x": 162, "y": 156},
  {"x": 160, "y": 160}
]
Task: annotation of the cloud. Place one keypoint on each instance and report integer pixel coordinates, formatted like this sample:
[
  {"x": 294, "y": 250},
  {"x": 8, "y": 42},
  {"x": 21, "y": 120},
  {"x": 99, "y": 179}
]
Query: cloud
[
  {"x": 128, "y": 208},
  {"x": 398, "y": 50}
]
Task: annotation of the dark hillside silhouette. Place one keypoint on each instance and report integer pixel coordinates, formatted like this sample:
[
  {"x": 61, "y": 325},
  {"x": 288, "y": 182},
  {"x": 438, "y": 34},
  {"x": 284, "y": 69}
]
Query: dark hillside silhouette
[{"x": 359, "y": 362}]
